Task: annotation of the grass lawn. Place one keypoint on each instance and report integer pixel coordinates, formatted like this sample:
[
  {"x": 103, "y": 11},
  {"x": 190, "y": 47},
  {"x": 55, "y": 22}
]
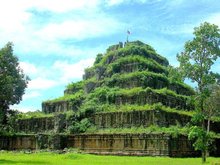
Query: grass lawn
[{"x": 48, "y": 158}]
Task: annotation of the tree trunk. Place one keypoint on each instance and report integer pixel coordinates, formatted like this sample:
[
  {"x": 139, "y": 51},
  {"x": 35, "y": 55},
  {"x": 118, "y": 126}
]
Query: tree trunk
[
  {"x": 3, "y": 117},
  {"x": 204, "y": 143},
  {"x": 3, "y": 112},
  {"x": 208, "y": 126},
  {"x": 204, "y": 156}
]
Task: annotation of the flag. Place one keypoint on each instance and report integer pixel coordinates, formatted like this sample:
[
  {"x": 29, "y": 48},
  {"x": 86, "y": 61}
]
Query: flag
[{"x": 128, "y": 32}]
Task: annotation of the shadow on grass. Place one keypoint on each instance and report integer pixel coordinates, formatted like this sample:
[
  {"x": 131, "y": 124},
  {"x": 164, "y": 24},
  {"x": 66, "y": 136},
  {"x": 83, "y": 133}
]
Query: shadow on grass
[
  {"x": 29, "y": 162},
  {"x": 73, "y": 157}
]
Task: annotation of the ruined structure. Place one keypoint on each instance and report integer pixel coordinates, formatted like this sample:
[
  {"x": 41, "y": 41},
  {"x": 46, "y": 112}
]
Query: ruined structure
[{"x": 127, "y": 103}]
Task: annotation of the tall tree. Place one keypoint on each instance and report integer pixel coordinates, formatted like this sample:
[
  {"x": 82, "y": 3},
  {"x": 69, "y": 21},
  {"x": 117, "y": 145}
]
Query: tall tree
[
  {"x": 12, "y": 81},
  {"x": 212, "y": 104},
  {"x": 195, "y": 62}
]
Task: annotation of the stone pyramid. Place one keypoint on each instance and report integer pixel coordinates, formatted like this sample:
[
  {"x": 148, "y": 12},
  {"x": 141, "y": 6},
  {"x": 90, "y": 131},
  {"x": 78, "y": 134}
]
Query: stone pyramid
[{"x": 127, "y": 103}]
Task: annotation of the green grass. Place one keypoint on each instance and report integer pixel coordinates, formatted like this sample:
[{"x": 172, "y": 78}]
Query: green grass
[{"x": 46, "y": 158}]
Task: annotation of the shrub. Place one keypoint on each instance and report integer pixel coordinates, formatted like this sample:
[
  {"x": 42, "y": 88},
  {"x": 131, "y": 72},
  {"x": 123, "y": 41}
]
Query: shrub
[{"x": 80, "y": 127}]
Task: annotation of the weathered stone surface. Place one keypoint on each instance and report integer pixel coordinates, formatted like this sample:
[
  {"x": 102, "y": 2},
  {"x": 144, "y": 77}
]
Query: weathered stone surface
[
  {"x": 61, "y": 106},
  {"x": 91, "y": 85},
  {"x": 149, "y": 97},
  {"x": 181, "y": 147},
  {"x": 120, "y": 144},
  {"x": 17, "y": 142},
  {"x": 54, "y": 124},
  {"x": 132, "y": 144},
  {"x": 35, "y": 125},
  {"x": 60, "y": 123},
  {"x": 152, "y": 82},
  {"x": 48, "y": 141},
  {"x": 139, "y": 118},
  {"x": 32, "y": 142},
  {"x": 100, "y": 72},
  {"x": 115, "y": 47},
  {"x": 88, "y": 74}
]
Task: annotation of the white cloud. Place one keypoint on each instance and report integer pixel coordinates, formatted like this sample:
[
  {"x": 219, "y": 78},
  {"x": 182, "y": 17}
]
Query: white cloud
[
  {"x": 64, "y": 5},
  {"x": 85, "y": 19},
  {"x": 73, "y": 71},
  {"x": 53, "y": 6},
  {"x": 23, "y": 108},
  {"x": 214, "y": 18},
  {"x": 31, "y": 94},
  {"x": 118, "y": 2},
  {"x": 61, "y": 73},
  {"x": 28, "y": 68},
  {"x": 79, "y": 29},
  {"x": 114, "y": 2},
  {"x": 42, "y": 83}
]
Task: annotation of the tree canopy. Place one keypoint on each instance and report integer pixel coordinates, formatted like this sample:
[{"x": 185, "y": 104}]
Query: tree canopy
[
  {"x": 199, "y": 55},
  {"x": 12, "y": 80},
  {"x": 195, "y": 62}
]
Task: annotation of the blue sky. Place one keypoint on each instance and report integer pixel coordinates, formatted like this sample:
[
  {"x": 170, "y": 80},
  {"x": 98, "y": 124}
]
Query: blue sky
[{"x": 56, "y": 40}]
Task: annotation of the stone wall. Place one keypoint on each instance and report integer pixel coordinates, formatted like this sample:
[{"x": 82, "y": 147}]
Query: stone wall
[
  {"x": 151, "y": 97},
  {"x": 55, "y": 124},
  {"x": 62, "y": 106},
  {"x": 59, "y": 123},
  {"x": 181, "y": 147},
  {"x": 132, "y": 144},
  {"x": 32, "y": 142},
  {"x": 34, "y": 125},
  {"x": 119, "y": 144},
  {"x": 138, "y": 118},
  {"x": 17, "y": 142},
  {"x": 59, "y": 106}
]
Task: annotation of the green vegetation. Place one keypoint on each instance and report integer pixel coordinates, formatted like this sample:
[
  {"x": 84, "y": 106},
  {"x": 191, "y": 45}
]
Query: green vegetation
[
  {"x": 146, "y": 79},
  {"x": 98, "y": 58},
  {"x": 195, "y": 62},
  {"x": 79, "y": 126},
  {"x": 12, "y": 82},
  {"x": 141, "y": 62},
  {"x": 172, "y": 130},
  {"x": 127, "y": 79},
  {"x": 40, "y": 114},
  {"x": 75, "y": 87},
  {"x": 68, "y": 97},
  {"x": 19, "y": 158},
  {"x": 138, "y": 95},
  {"x": 106, "y": 108},
  {"x": 139, "y": 48},
  {"x": 35, "y": 114}
]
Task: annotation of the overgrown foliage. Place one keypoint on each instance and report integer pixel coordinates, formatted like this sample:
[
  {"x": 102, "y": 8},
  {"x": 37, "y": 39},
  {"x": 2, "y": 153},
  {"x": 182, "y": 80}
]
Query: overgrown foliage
[
  {"x": 12, "y": 81},
  {"x": 195, "y": 62},
  {"x": 80, "y": 126},
  {"x": 68, "y": 97}
]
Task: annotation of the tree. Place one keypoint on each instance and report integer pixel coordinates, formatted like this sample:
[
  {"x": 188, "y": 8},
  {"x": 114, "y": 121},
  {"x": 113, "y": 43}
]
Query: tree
[
  {"x": 212, "y": 104},
  {"x": 174, "y": 74},
  {"x": 98, "y": 58},
  {"x": 195, "y": 62},
  {"x": 12, "y": 81}
]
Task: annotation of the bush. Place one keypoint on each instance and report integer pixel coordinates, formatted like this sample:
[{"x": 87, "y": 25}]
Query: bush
[{"x": 80, "y": 127}]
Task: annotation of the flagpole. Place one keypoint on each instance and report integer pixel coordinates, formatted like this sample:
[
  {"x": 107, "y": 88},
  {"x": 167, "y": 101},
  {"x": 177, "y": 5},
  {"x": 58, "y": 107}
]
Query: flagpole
[{"x": 128, "y": 33}]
